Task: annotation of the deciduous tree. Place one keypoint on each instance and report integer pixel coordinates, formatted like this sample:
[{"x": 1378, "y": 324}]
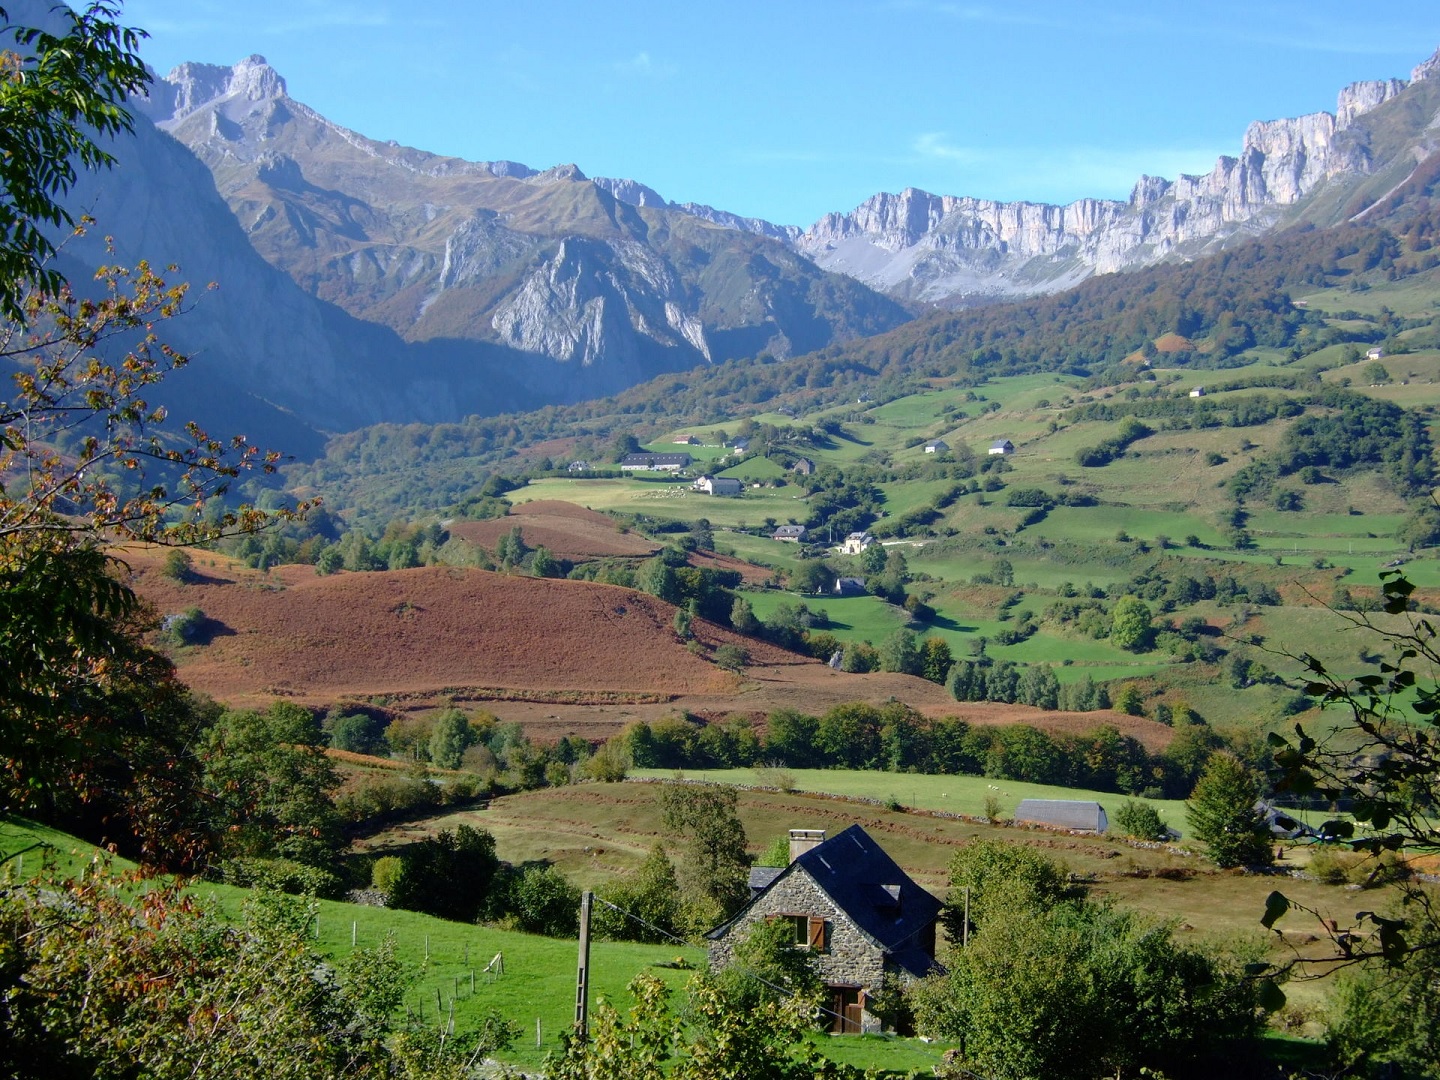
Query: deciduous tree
[{"x": 715, "y": 866}]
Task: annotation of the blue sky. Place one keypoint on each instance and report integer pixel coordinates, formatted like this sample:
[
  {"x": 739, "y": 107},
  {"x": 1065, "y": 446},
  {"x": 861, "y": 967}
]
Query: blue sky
[{"x": 789, "y": 110}]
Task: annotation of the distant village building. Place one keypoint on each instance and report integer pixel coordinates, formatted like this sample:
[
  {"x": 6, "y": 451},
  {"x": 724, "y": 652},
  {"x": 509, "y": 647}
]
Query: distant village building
[
  {"x": 850, "y": 905},
  {"x": 792, "y": 533},
  {"x": 718, "y": 485},
  {"x": 936, "y": 446},
  {"x": 1002, "y": 447},
  {"x": 740, "y": 446},
  {"x": 850, "y": 586},
  {"x": 1374, "y": 354},
  {"x": 1073, "y": 814},
  {"x": 856, "y": 542},
  {"x": 1199, "y": 391},
  {"x": 804, "y": 466},
  {"x": 578, "y": 466},
  {"x": 786, "y": 410},
  {"x": 686, "y": 440},
  {"x": 643, "y": 462}
]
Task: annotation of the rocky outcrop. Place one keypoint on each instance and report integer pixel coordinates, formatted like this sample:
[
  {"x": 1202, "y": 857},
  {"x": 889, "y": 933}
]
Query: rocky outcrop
[
  {"x": 1359, "y": 98},
  {"x": 786, "y": 233}
]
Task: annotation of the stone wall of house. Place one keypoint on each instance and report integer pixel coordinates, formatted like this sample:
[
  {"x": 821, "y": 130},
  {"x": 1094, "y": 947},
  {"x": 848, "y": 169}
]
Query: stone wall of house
[{"x": 849, "y": 957}]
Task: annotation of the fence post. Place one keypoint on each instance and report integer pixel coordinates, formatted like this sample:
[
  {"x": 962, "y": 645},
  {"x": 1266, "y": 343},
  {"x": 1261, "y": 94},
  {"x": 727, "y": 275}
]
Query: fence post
[{"x": 582, "y": 977}]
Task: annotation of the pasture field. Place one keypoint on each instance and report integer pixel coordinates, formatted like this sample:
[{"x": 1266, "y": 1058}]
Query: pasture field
[
  {"x": 1415, "y": 295},
  {"x": 964, "y": 795},
  {"x": 701, "y": 454},
  {"x": 670, "y": 499},
  {"x": 597, "y": 833},
  {"x": 759, "y": 549},
  {"x": 852, "y": 618},
  {"x": 538, "y": 984},
  {"x": 753, "y": 468}
]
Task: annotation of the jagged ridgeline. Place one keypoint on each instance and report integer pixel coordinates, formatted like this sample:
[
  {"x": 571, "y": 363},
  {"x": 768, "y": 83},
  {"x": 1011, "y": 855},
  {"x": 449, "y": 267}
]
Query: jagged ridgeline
[
  {"x": 1210, "y": 314},
  {"x": 365, "y": 281},
  {"x": 584, "y": 292}
]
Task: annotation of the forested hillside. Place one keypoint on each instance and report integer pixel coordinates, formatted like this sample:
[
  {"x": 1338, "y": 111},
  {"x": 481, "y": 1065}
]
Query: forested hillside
[{"x": 1205, "y": 315}]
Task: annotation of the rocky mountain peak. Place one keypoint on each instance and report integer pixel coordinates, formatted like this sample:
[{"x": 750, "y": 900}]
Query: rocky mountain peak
[
  {"x": 630, "y": 191},
  {"x": 557, "y": 173},
  {"x": 192, "y": 86},
  {"x": 1426, "y": 69}
]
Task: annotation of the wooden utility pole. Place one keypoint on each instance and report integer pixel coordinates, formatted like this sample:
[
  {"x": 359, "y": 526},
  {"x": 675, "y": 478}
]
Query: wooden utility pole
[
  {"x": 965, "y": 929},
  {"x": 582, "y": 979}
]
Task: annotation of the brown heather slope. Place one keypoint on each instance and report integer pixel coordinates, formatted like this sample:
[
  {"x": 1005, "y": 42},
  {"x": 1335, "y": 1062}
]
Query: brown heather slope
[
  {"x": 566, "y": 530},
  {"x": 558, "y": 657}
]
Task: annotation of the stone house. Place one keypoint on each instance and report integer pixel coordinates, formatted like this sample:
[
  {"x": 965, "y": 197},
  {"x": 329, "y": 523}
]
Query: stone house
[
  {"x": 792, "y": 533},
  {"x": 804, "y": 466},
  {"x": 849, "y": 902},
  {"x": 1001, "y": 447},
  {"x": 856, "y": 542},
  {"x": 936, "y": 446},
  {"x": 1199, "y": 391}
]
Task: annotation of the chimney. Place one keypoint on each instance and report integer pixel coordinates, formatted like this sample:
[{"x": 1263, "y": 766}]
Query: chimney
[{"x": 802, "y": 840}]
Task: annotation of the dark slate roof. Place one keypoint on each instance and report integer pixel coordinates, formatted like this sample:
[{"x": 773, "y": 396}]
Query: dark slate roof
[
  {"x": 866, "y": 884},
  {"x": 762, "y": 876},
  {"x": 1063, "y": 813}
]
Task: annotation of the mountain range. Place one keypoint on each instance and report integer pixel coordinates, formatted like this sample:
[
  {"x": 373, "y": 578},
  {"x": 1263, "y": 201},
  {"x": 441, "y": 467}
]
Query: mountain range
[{"x": 364, "y": 281}]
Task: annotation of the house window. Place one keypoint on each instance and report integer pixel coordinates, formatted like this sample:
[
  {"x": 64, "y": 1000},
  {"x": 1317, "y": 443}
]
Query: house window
[{"x": 807, "y": 931}]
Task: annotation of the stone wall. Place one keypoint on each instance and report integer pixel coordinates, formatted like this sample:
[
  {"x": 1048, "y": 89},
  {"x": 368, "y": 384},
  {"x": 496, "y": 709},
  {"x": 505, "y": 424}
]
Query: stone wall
[{"x": 848, "y": 957}]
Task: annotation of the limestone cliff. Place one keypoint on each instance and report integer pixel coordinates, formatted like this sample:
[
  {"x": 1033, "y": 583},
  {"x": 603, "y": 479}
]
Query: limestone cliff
[{"x": 947, "y": 249}]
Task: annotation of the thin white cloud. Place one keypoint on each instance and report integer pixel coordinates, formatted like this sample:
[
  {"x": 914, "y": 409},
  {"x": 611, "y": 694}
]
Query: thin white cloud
[
  {"x": 935, "y": 146},
  {"x": 644, "y": 66}
]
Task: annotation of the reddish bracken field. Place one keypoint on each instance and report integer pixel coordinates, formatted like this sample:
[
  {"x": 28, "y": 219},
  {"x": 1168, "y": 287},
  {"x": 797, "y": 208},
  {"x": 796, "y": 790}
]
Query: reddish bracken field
[
  {"x": 557, "y": 656},
  {"x": 566, "y": 530}
]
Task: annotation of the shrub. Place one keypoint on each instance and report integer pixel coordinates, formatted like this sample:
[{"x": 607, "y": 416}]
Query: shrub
[
  {"x": 448, "y": 875},
  {"x": 1139, "y": 819},
  {"x": 189, "y": 627},
  {"x": 731, "y": 657},
  {"x": 179, "y": 567},
  {"x": 539, "y": 900},
  {"x": 280, "y": 875},
  {"x": 384, "y": 874},
  {"x": 610, "y": 763}
]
